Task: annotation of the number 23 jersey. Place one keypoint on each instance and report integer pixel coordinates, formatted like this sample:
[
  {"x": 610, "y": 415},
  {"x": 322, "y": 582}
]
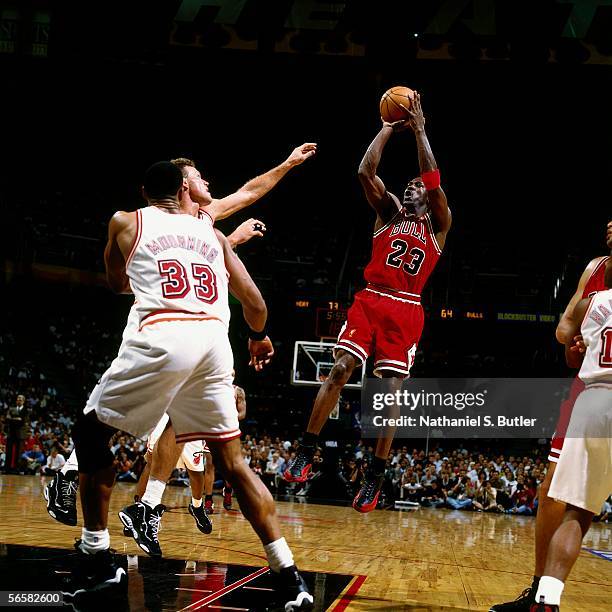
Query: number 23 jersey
[
  {"x": 176, "y": 268},
  {"x": 404, "y": 254}
]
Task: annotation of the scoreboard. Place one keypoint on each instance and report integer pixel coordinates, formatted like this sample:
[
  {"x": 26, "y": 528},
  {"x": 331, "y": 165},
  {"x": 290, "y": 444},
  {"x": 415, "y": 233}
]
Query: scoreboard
[
  {"x": 487, "y": 314},
  {"x": 330, "y": 320},
  {"x": 327, "y": 318}
]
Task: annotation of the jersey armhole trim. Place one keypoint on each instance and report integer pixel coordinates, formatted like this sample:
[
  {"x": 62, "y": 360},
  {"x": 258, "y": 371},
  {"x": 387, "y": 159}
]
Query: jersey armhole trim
[
  {"x": 602, "y": 262},
  {"x": 388, "y": 224},
  {"x": 433, "y": 234},
  {"x": 136, "y": 237},
  {"x": 588, "y": 311},
  {"x": 203, "y": 212}
]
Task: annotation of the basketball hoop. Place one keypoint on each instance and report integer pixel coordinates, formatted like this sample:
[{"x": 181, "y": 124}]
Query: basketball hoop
[{"x": 313, "y": 361}]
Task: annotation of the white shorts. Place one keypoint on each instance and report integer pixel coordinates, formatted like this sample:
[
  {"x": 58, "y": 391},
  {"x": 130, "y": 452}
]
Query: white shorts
[
  {"x": 192, "y": 457},
  {"x": 583, "y": 477},
  {"x": 183, "y": 368}
]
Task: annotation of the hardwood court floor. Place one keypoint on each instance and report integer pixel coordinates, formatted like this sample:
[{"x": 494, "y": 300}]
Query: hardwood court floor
[{"x": 414, "y": 560}]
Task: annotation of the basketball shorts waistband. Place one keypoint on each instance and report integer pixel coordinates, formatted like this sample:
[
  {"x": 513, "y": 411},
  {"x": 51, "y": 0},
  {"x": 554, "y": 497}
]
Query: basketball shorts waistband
[
  {"x": 394, "y": 294},
  {"x": 161, "y": 316}
]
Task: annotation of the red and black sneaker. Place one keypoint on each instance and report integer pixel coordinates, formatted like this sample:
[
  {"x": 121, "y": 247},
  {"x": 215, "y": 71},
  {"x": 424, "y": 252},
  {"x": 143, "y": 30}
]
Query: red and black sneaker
[
  {"x": 543, "y": 607},
  {"x": 227, "y": 497},
  {"x": 209, "y": 505},
  {"x": 367, "y": 497},
  {"x": 298, "y": 469},
  {"x": 521, "y": 604}
]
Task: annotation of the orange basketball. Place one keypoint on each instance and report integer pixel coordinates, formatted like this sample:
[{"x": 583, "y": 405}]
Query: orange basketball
[{"x": 391, "y": 103}]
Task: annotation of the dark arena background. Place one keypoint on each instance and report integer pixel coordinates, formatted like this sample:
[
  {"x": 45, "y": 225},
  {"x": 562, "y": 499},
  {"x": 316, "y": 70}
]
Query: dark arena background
[{"x": 517, "y": 103}]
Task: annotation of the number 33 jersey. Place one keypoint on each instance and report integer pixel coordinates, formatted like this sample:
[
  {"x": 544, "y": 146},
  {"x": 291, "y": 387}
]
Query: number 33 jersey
[
  {"x": 177, "y": 269},
  {"x": 404, "y": 254}
]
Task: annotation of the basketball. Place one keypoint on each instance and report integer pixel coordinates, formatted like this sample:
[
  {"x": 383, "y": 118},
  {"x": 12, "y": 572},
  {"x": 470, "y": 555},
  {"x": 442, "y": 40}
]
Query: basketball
[{"x": 391, "y": 103}]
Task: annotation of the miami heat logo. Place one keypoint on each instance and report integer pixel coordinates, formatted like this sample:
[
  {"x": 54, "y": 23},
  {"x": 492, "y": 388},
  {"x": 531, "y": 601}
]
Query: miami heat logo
[
  {"x": 197, "y": 457},
  {"x": 352, "y": 332}
]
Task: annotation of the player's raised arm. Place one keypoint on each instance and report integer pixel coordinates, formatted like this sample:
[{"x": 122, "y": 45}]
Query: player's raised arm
[
  {"x": 440, "y": 213},
  {"x": 245, "y": 231},
  {"x": 254, "y": 189},
  {"x": 382, "y": 201},
  {"x": 254, "y": 309},
  {"x": 121, "y": 233},
  {"x": 565, "y": 328}
]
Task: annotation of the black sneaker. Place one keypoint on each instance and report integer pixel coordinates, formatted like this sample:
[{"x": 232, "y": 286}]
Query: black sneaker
[
  {"x": 292, "y": 590},
  {"x": 543, "y": 607},
  {"x": 143, "y": 523},
  {"x": 521, "y": 604},
  {"x": 203, "y": 523},
  {"x": 126, "y": 531},
  {"x": 367, "y": 497},
  {"x": 60, "y": 495},
  {"x": 97, "y": 574},
  {"x": 298, "y": 469}
]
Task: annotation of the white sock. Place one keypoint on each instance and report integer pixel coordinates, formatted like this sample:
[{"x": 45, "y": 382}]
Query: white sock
[
  {"x": 71, "y": 463},
  {"x": 196, "y": 503},
  {"x": 94, "y": 541},
  {"x": 551, "y": 588},
  {"x": 154, "y": 492},
  {"x": 279, "y": 555}
]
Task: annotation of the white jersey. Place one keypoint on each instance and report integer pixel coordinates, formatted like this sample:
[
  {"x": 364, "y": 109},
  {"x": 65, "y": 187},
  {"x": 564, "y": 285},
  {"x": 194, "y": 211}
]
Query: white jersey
[
  {"x": 596, "y": 331},
  {"x": 177, "y": 269}
]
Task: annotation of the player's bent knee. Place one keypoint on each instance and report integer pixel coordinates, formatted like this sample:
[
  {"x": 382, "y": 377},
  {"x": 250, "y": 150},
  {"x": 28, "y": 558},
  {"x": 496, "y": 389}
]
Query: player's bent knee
[
  {"x": 341, "y": 371},
  {"x": 233, "y": 467},
  {"x": 91, "y": 439}
]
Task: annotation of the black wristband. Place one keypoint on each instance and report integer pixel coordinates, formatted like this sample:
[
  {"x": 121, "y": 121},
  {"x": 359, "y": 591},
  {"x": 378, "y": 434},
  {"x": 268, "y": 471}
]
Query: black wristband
[{"x": 257, "y": 335}]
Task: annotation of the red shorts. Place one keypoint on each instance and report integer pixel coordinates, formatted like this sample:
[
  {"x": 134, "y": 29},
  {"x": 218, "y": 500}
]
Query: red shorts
[
  {"x": 565, "y": 414},
  {"x": 384, "y": 325}
]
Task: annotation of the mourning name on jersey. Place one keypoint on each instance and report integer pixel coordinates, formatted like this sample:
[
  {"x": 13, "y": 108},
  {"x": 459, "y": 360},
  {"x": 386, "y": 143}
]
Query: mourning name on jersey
[{"x": 178, "y": 241}]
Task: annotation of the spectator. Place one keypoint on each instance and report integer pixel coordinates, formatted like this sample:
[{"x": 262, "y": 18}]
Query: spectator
[
  {"x": 32, "y": 460},
  {"x": 65, "y": 446},
  {"x": 459, "y": 497},
  {"x": 485, "y": 499},
  {"x": 412, "y": 489},
  {"x": 523, "y": 499},
  {"x": 123, "y": 466},
  {"x": 271, "y": 472},
  {"x": 122, "y": 447},
  {"x": 15, "y": 420},
  {"x": 444, "y": 479},
  {"x": 434, "y": 496},
  {"x": 55, "y": 462}
]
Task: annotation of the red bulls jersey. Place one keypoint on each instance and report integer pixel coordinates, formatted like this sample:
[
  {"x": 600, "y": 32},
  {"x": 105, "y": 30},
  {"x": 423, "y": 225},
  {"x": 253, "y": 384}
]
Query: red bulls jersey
[
  {"x": 404, "y": 254},
  {"x": 596, "y": 280}
]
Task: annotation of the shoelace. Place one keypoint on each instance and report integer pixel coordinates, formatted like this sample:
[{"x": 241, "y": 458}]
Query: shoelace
[
  {"x": 369, "y": 488},
  {"x": 524, "y": 595},
  {"x": 301, "y": 461},
  {"x": 69, "y": 489},
  {"x": 154, "y": 523}
]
